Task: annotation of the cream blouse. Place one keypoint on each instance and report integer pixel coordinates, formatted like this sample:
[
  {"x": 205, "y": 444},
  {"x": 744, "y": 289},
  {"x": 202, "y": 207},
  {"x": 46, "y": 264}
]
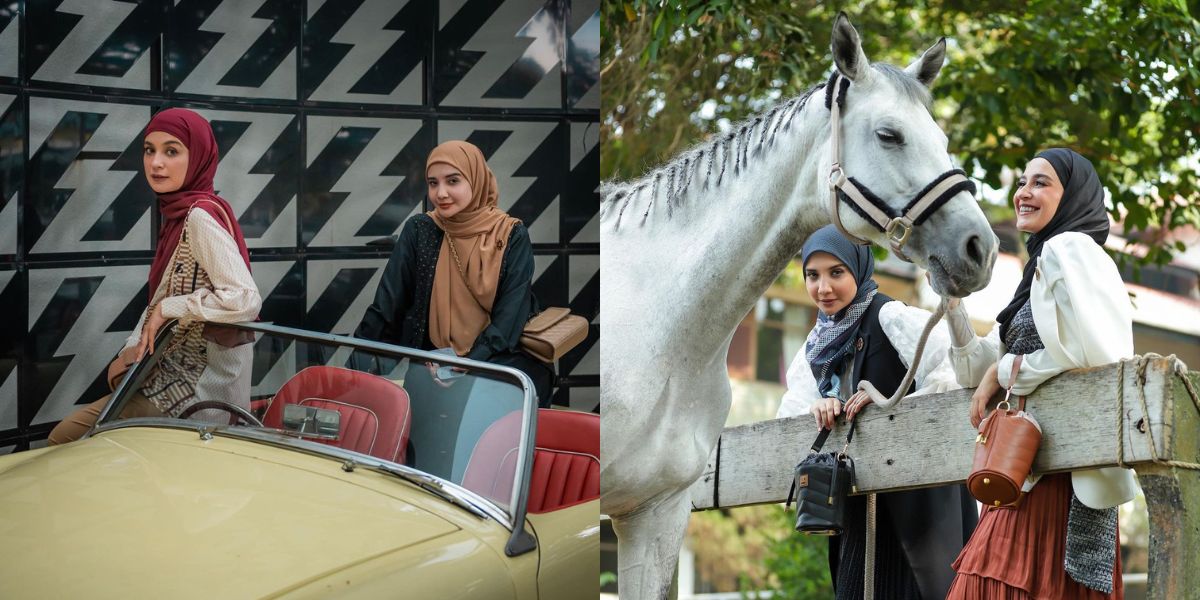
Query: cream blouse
[{"x": 1084, "y": 317}]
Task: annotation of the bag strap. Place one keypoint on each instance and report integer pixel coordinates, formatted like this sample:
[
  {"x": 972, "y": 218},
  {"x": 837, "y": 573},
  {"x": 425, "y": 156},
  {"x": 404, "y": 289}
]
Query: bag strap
[
  {"x": 1013, "y": 379},
  {"x": 821, "y": 437},
  {"x": 462, "y": 273},
  {"x": 816, "y": 447},
  {"x": 220, "y": 209},
  {"x": 458, "y": 263},
  {"x": 824, "y": 435}
]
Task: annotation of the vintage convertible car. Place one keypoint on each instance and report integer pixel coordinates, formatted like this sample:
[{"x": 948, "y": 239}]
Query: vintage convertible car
[{"x": 308, "y": 466}]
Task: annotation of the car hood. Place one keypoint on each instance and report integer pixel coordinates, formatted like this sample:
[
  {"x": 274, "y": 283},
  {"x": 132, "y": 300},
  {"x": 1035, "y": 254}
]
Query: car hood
[{"x": 146, "y": 512}]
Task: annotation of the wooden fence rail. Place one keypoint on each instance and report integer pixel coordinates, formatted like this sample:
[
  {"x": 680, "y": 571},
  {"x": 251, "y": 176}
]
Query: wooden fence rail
[{"x": 1139, "y": 412}]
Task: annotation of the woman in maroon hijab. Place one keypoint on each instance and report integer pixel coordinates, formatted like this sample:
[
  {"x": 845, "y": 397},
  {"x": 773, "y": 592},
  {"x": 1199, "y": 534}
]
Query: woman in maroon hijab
[{"x": 200, "y": 273}]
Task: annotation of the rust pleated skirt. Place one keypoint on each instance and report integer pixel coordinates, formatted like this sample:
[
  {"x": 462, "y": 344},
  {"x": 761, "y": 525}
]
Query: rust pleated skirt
[{"x": 1017, "y": 554}]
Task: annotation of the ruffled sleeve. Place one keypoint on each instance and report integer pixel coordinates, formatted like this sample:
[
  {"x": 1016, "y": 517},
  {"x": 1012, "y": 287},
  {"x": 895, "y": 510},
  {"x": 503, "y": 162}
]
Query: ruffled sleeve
[
  {"x": 1081, "y": 310},
  {"x": 903, "y": 324}
]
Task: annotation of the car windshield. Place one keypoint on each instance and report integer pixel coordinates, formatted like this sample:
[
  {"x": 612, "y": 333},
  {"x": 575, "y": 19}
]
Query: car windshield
[{"x": 460, "y": 421}]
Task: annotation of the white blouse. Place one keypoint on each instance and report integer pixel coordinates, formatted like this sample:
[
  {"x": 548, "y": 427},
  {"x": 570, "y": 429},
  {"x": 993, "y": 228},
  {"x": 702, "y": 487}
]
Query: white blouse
[
  {"x": 234, "y": 297},
  {"x": 1084, "y": 317},
  {"x": 902, "y": 324}
]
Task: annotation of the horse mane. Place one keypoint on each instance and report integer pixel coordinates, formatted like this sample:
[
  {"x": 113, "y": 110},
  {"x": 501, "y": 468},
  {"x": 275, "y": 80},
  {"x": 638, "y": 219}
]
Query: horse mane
[
  {"x": 714, "y": 155},
  {"x": 737, "y": 146}
]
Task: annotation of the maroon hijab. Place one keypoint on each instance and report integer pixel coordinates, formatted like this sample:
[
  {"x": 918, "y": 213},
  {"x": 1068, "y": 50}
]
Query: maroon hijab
[{"x": 197, "y": 135}]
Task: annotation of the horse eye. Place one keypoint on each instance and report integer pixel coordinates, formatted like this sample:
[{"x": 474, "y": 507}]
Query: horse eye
[{"x": 889, "y": 136}]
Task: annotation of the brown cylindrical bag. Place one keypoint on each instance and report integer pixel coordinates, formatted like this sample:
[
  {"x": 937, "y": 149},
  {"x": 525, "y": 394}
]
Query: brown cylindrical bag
[{"x": 1007, "y": 443}]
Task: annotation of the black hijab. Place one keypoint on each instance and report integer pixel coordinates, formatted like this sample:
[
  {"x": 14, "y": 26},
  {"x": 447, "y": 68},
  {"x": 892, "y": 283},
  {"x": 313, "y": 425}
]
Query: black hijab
[{"x": 1081, "y": 209}]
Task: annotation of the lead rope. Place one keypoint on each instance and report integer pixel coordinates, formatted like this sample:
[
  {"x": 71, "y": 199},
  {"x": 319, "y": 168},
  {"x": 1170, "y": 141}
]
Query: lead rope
[
  {"x": 1180, "y": 370},
  {"x": 869, "y": 567},
  {"x": 879, "y": 399},
  {"x": 885, "y": 402},
  {"x": 837, "y": 178}
]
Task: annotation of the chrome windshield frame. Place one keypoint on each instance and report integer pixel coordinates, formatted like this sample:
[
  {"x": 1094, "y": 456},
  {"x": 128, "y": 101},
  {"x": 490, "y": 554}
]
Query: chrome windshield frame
[{"x": 520, "y": 540}]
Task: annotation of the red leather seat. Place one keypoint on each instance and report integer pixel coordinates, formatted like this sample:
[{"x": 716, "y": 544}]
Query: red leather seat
[
  {"x": 566, "y": 460},
  {"x": 375, "y": 412}
]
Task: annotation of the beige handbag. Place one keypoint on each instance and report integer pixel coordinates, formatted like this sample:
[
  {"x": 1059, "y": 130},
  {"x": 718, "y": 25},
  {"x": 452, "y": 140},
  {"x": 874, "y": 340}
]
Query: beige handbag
[
  {"x": 549, "y": 334},
  {"x": 552, "y": 333}
]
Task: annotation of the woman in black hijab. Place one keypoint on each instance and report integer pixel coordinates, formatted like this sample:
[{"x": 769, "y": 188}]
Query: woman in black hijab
[{"x": 1070, "y": 311}]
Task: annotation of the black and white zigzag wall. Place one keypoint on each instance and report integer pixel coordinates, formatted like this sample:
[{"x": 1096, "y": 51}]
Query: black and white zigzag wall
[{"x": 324, "y": 111}]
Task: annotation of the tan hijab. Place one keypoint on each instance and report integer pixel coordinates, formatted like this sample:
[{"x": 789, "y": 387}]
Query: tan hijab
[{"x": 461, "y": 304}]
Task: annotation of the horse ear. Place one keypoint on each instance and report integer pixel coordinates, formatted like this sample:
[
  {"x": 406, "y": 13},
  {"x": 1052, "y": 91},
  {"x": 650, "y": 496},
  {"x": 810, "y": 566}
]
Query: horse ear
[
  {"x": 926, "y": 68},
  {"x": 847, "y": 49}
]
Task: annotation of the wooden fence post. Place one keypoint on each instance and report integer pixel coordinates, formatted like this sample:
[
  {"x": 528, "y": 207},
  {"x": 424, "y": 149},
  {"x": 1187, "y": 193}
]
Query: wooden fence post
[{"x": 1173, "y": 498}]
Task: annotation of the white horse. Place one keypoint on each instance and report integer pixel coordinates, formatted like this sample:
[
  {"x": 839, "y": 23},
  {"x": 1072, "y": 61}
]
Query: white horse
[{"x": 690, "y": 247}]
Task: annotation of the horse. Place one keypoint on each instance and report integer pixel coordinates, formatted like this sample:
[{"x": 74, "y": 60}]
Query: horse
[{"x": 692, "y": 244}]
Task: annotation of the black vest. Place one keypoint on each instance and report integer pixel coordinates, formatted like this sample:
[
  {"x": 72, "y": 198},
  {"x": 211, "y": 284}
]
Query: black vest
[{"x": 875, "y": 359}]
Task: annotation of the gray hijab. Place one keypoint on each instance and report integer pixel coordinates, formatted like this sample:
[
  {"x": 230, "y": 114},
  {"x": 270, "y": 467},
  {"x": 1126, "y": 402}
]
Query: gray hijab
[{"x": 832, "y": 339}]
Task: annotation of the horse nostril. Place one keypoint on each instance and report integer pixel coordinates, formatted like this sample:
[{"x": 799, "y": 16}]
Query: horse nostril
[{"x": 975, "y": 250}]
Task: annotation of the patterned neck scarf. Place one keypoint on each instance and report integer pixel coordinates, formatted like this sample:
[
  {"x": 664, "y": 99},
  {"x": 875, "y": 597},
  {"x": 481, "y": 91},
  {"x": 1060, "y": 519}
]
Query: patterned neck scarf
[{"x": 832, "y": 340}]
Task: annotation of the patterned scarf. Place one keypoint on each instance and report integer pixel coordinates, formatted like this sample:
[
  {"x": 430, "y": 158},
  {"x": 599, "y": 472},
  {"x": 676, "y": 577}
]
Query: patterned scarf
[{"x": 832, "y": 340}]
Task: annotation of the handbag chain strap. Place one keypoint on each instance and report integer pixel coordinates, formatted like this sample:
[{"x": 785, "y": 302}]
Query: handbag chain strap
[{"x": 461, "y": 271}]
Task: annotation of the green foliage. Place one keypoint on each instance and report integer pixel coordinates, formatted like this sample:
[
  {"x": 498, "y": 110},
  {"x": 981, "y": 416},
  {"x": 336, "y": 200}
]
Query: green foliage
[
  {"x": 755, "y": 548},
  {"x": 1117, "y": 81},
  {"x": 607, "y": 577},
  {"x": 798, "y": 563},
  {"x": 731, "y": 546}
]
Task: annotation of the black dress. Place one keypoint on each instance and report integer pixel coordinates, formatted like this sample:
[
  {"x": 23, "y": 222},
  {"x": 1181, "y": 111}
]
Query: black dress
[
  {"x": 918, "y": 533},
  {"x": 400, "y": 312}
]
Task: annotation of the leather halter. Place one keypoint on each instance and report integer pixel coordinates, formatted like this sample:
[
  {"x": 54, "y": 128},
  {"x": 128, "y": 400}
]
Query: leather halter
[{"x": 897, "y": 225}]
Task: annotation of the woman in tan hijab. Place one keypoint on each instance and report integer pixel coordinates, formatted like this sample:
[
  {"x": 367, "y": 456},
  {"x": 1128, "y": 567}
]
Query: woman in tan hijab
[{"x": 460, "y": 275}]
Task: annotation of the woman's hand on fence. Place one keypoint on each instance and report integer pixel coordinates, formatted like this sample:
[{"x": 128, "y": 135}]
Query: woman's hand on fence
[
  {"x": 856, "y": 403},
  {"x": 825, "y": 411},
  {"x": 154, "y": 322},
  {"x": 979, "y": 400}
]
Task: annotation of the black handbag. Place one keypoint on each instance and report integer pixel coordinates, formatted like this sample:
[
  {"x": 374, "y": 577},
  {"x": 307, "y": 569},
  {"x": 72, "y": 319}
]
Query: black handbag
[{"x": 824, "y": 480}]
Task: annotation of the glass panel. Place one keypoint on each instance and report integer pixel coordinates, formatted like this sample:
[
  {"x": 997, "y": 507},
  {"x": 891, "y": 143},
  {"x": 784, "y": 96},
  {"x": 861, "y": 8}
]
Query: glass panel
[{"x": 461, "y": 424}]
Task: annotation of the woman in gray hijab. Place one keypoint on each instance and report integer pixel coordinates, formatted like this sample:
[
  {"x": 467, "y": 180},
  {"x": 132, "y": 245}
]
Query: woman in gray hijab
[{"x": 863, "y": 334}]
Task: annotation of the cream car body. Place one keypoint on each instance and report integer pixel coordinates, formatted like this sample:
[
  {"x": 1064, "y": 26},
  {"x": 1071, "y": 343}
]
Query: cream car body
[{"x": 154, "y": 508}]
